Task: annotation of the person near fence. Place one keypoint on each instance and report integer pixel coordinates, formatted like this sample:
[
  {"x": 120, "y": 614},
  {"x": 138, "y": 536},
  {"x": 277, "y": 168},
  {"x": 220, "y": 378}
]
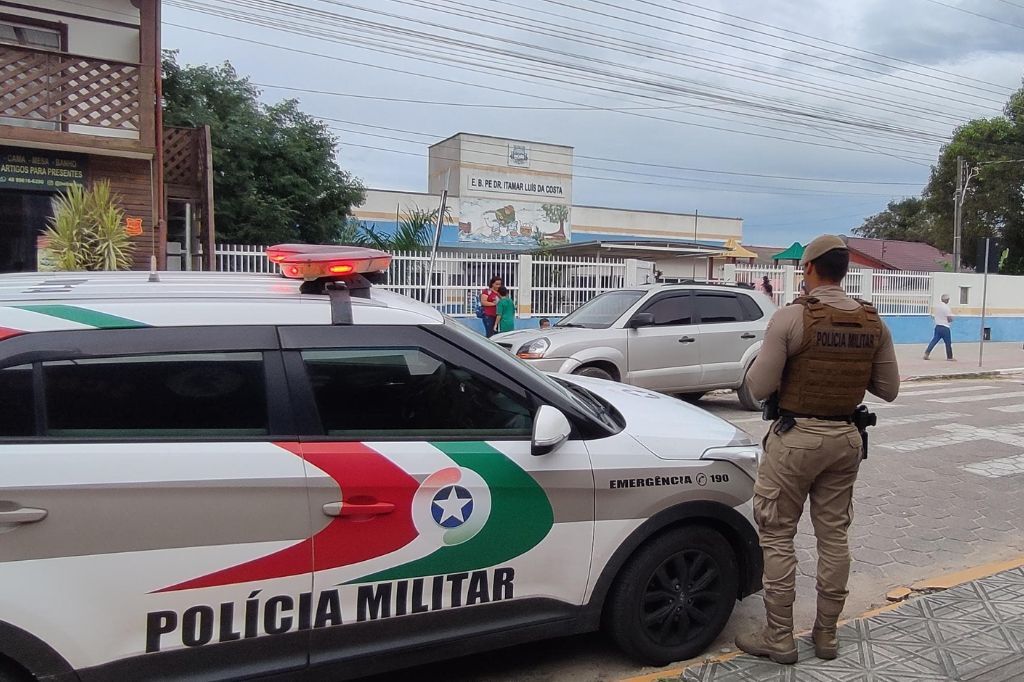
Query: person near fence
[
  {"x": 506, "y": 312},
  {"x": 544, "y": 323},
  {"x": 766, "y": 286},
  {"x": 943, "y": 320},
  {"x": 489, "y": 298},
  {"x": 820, "y": 355}
]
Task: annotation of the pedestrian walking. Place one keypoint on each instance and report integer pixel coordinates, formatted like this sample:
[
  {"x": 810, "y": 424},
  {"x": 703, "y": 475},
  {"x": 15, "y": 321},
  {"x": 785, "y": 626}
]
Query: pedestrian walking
[
  {"x": 943, "y": 317},
  {"x": 766, "y": 286},
  {"x": 506, "y": 312},
  {"x": 488, "y": 311},
  {"x": 820, "y": 354}
]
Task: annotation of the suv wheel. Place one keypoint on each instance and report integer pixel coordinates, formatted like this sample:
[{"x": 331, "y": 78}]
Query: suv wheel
[
  {"x": 595, "y": 372},
  {"x": 747, "y": 398},
  {"x": 674, "y": 596}
]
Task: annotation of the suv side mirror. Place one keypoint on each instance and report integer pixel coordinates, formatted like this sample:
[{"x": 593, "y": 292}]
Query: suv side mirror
[
  {"x": 550, "y": 430},
  {"x": 640, "y": 320}
]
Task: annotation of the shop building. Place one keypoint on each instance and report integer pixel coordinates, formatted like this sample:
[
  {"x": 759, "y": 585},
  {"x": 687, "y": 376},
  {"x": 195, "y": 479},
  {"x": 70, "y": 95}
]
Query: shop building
[{"x": 79, "y": 103}]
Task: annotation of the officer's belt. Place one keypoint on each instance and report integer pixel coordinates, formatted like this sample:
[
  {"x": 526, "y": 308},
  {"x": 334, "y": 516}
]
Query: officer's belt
[{"x": 796, "y": 415}]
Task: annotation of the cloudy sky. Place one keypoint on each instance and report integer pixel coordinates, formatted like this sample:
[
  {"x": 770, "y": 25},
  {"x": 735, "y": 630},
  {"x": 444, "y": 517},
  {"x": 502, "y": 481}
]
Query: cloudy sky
[{"x": 800, "y": 116}]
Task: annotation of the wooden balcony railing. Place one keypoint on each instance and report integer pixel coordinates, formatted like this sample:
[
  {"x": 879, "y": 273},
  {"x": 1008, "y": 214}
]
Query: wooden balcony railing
[{"x": 72, "y": 93}]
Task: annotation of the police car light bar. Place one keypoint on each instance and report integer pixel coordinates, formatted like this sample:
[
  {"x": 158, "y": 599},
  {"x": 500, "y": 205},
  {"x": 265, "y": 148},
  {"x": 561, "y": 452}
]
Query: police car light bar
[{"x": 313, "y": 262}]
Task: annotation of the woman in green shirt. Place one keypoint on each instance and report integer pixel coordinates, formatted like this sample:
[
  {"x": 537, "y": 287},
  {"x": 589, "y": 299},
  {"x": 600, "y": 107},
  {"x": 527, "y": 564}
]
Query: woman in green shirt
[{"x": 506, "y": 317}]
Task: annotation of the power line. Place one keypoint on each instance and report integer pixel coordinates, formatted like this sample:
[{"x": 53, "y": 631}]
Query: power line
[
  {"x": 1001, "y": 89},
  {"x": 976, "y": 14},
  {"x": 636, "y": 163},
  {"x": 507, "y": 90},
  {"x": 432, "y": 38},
  {"x": 278, "y": 25}
]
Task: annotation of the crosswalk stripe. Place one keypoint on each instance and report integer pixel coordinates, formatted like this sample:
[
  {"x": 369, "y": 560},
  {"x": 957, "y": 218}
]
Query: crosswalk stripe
[
  {"x": 997, "y": 468},
  {"x": 933, "y": 391},
  {"x": 1009, "y": 408},
  {"x": 978, "y": 398}
]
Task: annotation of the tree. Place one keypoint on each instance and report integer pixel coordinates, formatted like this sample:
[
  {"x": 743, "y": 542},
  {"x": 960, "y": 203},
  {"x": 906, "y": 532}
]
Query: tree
[
  {"x": 275, "y": 175},
  {"x": 906, "y": 220},
  {"x": 994, "y": 202}
]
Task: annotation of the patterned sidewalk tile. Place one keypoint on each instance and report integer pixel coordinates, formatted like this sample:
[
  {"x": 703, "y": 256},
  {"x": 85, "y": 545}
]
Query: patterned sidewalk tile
[{"x": 957, "y": 634}]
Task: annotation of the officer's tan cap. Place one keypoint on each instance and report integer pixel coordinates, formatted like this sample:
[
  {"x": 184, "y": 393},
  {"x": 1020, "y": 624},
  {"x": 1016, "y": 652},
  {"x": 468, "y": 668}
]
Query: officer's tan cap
[{"x": 820, "y": 246}]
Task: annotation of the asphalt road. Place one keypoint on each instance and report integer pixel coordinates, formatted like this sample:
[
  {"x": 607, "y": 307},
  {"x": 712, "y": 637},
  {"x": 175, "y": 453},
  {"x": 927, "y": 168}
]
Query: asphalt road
[{"x": 935, "y": 495}]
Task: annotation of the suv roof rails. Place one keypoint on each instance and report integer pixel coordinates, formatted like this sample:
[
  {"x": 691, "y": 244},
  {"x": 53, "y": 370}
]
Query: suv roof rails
[
  {"x": 697, "y": 282},
  {"x": 340, "y": 272}
]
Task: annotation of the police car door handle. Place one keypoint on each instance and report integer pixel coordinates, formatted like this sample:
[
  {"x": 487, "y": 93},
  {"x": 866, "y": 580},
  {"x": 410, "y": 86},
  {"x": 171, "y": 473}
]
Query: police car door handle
[
  {"x": 23, "y": 515},
  {"x": 358, "y": 509},
  {"x": 748, "y": 335},
  {"x": 687, "y": 339}
]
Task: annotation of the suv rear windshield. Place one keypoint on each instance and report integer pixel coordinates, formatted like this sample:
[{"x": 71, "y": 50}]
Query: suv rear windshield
[{"x": 602, "y": 311}]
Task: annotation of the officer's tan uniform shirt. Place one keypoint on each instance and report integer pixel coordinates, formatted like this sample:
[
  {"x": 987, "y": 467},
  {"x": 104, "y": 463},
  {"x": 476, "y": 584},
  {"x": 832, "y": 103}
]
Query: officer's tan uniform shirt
[{"x": 785, "y": 335}]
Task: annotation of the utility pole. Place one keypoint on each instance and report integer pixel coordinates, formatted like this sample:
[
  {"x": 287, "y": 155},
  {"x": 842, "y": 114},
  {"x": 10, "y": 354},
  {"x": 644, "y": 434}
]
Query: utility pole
[{"x": 958, "y": 205}]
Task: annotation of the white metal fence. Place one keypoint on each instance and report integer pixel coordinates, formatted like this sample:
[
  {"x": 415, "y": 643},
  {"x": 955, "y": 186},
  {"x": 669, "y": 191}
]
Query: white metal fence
[
  {"x": 560, "y": 285},
  {"x": 242, "y": 258},
  {"x": 892, "y": 292},
  {"x": 556, "y": 286}
]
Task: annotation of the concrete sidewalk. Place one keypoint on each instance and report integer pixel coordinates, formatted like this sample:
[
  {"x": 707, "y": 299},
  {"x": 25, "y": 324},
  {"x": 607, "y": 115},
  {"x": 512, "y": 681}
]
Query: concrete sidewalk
[
  {"x": 972, "y": 631},
  {"x": 998, "y": 358}
]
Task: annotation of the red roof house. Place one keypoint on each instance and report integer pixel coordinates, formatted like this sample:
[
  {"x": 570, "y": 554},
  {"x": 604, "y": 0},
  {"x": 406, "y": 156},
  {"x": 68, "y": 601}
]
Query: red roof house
[{"x": 889, "y": 254}]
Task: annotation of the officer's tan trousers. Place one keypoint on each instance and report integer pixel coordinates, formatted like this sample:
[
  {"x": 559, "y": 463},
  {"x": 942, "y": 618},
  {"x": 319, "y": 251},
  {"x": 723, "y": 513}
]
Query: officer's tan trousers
[{"x": 819, "y": 459}]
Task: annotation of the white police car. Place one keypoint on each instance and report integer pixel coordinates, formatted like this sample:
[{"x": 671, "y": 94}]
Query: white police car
[{"x": 216, "y": 476}]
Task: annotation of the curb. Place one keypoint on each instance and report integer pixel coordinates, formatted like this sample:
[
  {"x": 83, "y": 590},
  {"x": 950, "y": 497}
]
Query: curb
[
  {"x": 979, "y": 374},
  {"x": 896, "y": 596}
]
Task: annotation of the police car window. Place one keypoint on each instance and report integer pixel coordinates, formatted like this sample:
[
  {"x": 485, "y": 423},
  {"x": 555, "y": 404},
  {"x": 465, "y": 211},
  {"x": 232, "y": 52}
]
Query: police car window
[
  {"x": 672, "y": 310},
  {"x": 181, "y": 395},
  {"x": 17, "y": 416},
  {"x": 719, "y": 308},
  {"x": 407, "y": 392}
]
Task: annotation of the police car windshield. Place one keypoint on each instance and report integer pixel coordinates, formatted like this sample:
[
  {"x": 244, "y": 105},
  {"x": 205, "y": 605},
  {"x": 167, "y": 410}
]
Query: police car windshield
[
  {"x": 601, "y": 311},
  {"x": 502, "y": 359}
]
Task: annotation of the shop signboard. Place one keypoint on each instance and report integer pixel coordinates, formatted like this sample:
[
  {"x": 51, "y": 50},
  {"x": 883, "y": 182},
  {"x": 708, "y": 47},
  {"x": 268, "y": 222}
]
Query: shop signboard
[{"x": 33, "y": 169}]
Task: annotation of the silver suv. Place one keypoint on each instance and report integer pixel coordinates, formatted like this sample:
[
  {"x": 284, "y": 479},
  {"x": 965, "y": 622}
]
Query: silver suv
[{"x": 681, "y": 339}]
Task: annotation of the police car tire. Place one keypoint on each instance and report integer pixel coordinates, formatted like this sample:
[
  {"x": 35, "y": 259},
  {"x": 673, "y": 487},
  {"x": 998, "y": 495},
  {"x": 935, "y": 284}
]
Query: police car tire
[
  {"x": 594, "y": 372},
  {"x": 11, "y": 673},
  {"x": 747, "y": 398},
  {"x": 626, "y": 603}
]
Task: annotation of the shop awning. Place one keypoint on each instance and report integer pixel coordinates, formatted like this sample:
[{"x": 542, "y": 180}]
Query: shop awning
[
  {"x": 794, "y": 252},
  {"x": 733, "y": 249}
]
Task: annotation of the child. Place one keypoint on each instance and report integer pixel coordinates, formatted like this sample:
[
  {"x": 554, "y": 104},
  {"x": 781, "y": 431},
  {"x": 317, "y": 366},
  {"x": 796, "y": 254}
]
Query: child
[
  {"x": 545, "y": 323},
  {"x": 506, "y": 313}
]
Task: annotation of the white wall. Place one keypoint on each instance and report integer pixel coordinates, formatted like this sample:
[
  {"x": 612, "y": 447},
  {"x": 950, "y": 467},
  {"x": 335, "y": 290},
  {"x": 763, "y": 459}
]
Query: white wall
[
  {"x": 381, "y": 204},
  {"x": 650, "y": 224},
  {"x": 92, "y": 38},
  {"x": 1005, "y": 293}
]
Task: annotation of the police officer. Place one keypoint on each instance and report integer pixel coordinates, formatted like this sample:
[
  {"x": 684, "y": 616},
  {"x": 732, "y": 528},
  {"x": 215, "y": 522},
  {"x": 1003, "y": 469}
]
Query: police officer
[{"x": 820, "y": 354}]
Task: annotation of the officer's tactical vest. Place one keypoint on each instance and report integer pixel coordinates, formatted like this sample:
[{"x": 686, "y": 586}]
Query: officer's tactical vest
[{"x": 831, "y": 372}]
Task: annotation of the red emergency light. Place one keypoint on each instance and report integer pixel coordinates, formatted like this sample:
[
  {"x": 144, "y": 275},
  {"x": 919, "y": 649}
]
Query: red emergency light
[{"x": 312, "y": 262}]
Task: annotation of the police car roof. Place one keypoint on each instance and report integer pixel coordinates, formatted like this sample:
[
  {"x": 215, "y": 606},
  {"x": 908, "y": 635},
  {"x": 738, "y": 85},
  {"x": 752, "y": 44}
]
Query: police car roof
[{"x": 51, "y": 301}]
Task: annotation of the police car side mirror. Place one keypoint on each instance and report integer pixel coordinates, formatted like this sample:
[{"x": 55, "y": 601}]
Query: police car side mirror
[
  {"x": 640, "y": 320},
  {"x": 550, "y": 430}
]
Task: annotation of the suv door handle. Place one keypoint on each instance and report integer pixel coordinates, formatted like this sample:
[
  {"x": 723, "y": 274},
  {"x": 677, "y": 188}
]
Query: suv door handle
[
  {"x": 23, "y": 515},
  {"x": 748, "y": 335},
  {"x": 358, "y": 509},
  {"x": 687, "y": 339}
]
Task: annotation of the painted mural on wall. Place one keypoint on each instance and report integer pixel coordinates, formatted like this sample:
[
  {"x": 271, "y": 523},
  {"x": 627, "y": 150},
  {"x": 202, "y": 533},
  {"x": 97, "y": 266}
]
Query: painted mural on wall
[{"x": 512, "y": 224}]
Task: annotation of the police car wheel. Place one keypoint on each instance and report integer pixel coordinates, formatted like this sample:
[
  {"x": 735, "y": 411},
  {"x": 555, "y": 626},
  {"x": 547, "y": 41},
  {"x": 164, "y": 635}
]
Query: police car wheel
[
  {"x": 674, "y": 596},
  {"x": 594, "y": 372},
  {"x": 747, "y": 399}
]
